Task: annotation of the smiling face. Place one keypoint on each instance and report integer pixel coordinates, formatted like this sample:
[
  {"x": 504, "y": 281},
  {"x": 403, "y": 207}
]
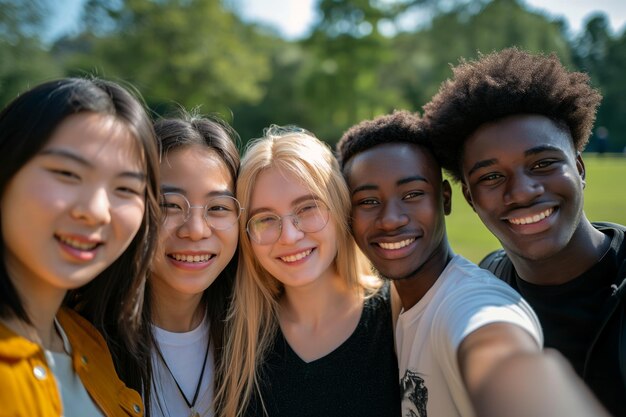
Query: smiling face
[
  {"x": 525, "y": 182},
  {"x": 297, "y": 258},
  {"x": 192, "y": 254},
  {"x": 398, "y": 207},
  {"x": 72, "y": 209}
]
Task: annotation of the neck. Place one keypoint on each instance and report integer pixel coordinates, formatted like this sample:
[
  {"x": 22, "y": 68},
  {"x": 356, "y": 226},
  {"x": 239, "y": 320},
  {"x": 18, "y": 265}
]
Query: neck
[
  {"x": 41, "y": 302},
  {"x": 413, "y": 288},
  {"x": 322, "y": 300},
  {"x": 175, "y": 312},
  {"x": 585, "y": 248}
]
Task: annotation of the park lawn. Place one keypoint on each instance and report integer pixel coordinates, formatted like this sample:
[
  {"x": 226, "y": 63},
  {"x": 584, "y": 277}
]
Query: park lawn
[{"x": 605, "y": 199}]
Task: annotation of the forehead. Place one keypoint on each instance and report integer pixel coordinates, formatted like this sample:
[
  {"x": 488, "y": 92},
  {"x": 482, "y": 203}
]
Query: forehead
[
  {"x": 275, "y": 187},
  {"x": 392, "y": 162},
  {"x": 98, "y": 138},
  {"x": 515, "y": 135},
  {"x": 196, "y": 163}
]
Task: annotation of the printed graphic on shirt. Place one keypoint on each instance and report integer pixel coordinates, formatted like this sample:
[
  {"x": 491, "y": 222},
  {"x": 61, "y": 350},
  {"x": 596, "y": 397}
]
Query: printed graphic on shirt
[{"x": 414, "y": 395}]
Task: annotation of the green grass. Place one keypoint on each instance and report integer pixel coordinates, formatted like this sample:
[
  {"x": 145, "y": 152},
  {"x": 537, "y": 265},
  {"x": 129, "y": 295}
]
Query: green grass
[{"x": 605, "y": 200}]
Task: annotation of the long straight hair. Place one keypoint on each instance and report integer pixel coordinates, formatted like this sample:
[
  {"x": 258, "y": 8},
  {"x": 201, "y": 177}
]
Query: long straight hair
[
  {"x": 253, "y": 317},
  {"x": 26, "y": 125},
  {"x": 174, "y": 133}
]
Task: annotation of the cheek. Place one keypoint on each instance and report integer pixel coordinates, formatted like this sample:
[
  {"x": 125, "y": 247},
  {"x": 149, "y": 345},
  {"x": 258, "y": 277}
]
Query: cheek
[
  {"x": 229, "y": 239},
  {"x": 126, "y": 220}
]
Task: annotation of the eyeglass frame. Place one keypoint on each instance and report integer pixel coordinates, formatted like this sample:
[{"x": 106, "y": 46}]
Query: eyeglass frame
[
  {"x": 295, "y": 221},
  {"x": 204, "y": 208}
]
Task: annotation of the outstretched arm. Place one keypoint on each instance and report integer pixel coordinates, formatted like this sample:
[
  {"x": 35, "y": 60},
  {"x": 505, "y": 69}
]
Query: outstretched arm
[{"x": 507, "y": 375}]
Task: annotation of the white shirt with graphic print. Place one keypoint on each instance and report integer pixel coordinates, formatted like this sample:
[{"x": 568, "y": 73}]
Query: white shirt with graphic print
[{"x": 463, "y": 299}]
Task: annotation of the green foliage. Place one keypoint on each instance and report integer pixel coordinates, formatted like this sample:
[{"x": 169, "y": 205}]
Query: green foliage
[{"x": 193, "y": 52}]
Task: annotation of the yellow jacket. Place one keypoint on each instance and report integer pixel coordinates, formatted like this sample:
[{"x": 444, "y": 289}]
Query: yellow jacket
[{"x": 28, "y": 389}]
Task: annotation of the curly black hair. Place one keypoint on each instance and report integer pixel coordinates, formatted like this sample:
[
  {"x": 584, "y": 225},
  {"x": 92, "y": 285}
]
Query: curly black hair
[
  {"x": 502, "y": 84},
  {"x": 399, "y": 126}
]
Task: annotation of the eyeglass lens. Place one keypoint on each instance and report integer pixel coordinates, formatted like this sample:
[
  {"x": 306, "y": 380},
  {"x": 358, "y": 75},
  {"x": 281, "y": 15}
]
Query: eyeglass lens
[
  {"x": 219, "y": 212},
  {"x": 265, "y": 228}
]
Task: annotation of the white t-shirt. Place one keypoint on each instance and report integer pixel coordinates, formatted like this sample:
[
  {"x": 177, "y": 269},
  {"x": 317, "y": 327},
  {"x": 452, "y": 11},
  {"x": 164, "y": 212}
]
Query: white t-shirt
[
  {"x": 76, "y": 401},
  {"x": 183, "y": 353},
  {"x": 463, "y": 299}
]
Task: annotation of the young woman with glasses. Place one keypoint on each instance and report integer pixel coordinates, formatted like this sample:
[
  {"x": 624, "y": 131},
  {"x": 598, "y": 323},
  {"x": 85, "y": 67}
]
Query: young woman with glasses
[
  {"x": 308, "y": 335},
  {"x": 79, "y": 204},
  {"x": 193, "y": 271}
]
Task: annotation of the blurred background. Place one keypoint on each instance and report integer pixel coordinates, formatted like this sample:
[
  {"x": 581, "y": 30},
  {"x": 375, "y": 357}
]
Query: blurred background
[{"x": 322, "y": 64}]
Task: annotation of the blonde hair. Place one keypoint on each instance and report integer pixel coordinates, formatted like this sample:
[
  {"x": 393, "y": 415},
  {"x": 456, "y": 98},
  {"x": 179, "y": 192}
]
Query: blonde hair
[{"x": 253, "y": 317}]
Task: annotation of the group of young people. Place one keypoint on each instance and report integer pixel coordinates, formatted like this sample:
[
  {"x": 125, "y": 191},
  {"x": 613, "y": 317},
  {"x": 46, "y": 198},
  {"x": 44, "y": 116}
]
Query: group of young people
[{"x": 153, "y": 272}]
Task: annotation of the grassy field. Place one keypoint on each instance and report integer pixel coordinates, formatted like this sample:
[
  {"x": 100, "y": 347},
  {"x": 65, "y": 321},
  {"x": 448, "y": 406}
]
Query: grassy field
[{"x": 605, "y": 199}]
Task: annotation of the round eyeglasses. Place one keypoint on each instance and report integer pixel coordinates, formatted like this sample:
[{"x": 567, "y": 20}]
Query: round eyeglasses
[
  {"x": 220, "y": 213},
  {"x": 266, "y": 228}
]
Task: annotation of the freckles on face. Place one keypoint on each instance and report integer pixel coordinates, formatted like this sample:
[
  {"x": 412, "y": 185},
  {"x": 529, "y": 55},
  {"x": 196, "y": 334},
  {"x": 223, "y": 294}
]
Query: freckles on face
[{"x": 75, "y": 206}]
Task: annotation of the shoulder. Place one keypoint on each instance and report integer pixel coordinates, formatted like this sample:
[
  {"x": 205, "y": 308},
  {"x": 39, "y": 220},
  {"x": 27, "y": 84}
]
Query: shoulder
[
  {"x": 78, "y": 328},
  {"x": 499, "y": 264},
  {"x": 94, "y": 366},
  {"x": 380, "y": 298}
]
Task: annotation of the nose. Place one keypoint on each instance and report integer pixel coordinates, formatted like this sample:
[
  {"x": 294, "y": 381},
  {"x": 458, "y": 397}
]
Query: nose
[
  {"x": 196, "y": 227},
  {"x": 392, "y": 216},
  {"x": 93, "y": 207},
  {"x": 289, "y": 232},
  {"x": 522, "y": 188}
]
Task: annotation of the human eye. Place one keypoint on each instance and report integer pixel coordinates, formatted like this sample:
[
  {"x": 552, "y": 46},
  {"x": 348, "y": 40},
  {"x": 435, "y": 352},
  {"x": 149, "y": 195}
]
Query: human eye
[
  {"x": 264, "y": 221},
  {"x": 64, "y": 174},
  {"x": 367, "y": 202},
  {"x": 172, "y": 204},
  {"x": 543, "y": 164},
  {"x": 132, "y": 189},
  {"x": 307, "y": 208},
  {"x": 412, "y": 195},
  {"x": 490, "y": 178},
  {"x": 221, "y": 207}
]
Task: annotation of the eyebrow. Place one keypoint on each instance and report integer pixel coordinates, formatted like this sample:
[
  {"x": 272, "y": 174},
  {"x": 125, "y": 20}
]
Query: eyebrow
[
  {"x": 174, "y": 189},
  {"x": 293, "y": 203},
  {"x": 63, "y": 153},
  {"x": 532, "y": 151},
  {"x": 542, "y": 148},
  {"x": 368, "y": 187}
]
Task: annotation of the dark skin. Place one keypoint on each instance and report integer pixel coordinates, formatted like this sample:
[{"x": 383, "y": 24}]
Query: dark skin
[
  {"x": 399, "y": 204},
  {"x": 398, "y": 217},
  {"x": 525, "y": 181}
]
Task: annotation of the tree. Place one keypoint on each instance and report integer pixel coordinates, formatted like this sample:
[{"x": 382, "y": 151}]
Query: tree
[
  {"x": 23, "y": 59},
  {"x": 192, "y": 52}
]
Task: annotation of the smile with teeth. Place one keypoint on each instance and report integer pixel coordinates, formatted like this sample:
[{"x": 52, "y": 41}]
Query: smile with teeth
[
  {"x": 532, "y": 219},
  {"x": 396, "y": 245},
  {"x": 77, "y": 244},
  {"x": 190, "y": 258},
  {"x": 297, "y": 256}
]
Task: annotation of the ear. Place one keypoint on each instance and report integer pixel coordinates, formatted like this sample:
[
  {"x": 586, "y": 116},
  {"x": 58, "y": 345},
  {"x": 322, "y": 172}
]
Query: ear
[
  {"x": 467, "y": 194},
  {"x": 446, "y": 193},
  {"x": 580, "y": 166}
]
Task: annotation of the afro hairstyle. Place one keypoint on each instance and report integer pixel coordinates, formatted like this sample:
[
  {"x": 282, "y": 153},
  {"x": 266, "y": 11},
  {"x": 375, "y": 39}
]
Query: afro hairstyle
[
  {"x": 506, "y": 83},
  {"x": 401, "y": 126}
]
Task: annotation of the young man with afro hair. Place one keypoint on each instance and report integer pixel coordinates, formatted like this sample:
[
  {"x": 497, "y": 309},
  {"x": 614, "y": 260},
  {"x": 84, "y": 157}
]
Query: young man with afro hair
[
  {"x": 461, "y": 329},
  {"x": 510, "y": 127}
]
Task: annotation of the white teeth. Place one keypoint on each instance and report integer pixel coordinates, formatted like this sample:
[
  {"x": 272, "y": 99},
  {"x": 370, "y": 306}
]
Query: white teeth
[
  {"x": 396, "y": 245},
  {"x": 78, "y": 244},
  {"x": 297, "y": 256},
  {"x": 532, "y": 219},
  {"x": 190, "y": 258}
]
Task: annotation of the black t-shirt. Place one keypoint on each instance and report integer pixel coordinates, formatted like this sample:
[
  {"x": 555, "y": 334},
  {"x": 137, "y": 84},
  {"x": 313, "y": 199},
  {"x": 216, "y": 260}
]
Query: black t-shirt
[
  {"x": 583, "y": 318},
  {"x": 359, "y": 378}
]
